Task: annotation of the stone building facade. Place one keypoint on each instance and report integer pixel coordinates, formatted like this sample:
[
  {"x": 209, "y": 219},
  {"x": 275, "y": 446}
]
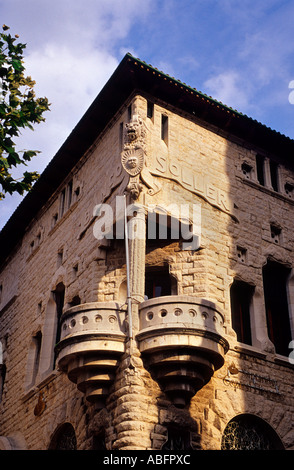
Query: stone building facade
[{"x": 179, "y": 339}]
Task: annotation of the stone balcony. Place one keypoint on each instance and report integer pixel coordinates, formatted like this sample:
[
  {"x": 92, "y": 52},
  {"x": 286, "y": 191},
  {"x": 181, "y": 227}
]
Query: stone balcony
[
  {"x": 91, "y": 343},
  {"x": 182, "y": 341}
]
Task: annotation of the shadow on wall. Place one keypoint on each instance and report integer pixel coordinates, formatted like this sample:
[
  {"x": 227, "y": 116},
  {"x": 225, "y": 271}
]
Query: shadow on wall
[{"x": 257, "y": 303}]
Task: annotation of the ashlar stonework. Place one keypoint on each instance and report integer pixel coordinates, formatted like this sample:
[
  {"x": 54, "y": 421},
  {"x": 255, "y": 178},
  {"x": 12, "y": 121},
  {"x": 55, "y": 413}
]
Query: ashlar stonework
[{"x": 164, "y": 343}]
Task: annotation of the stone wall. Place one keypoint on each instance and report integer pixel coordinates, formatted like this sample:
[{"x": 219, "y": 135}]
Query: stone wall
[{"x": 197, "y": 165}]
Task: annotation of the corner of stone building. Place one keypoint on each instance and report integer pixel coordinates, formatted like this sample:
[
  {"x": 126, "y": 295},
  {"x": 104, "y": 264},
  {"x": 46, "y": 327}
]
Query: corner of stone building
[{"x": 132, "y": 403}]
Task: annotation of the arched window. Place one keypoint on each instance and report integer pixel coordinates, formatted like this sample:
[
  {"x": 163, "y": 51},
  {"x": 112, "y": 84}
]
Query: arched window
[
  {"x": 249, "y": 432},
  {"x": 64, "y": 438},
  {"x": 33, "y": 361},
  {"x": 51, "y": 330},
  {"x": 59, "y": 300}
]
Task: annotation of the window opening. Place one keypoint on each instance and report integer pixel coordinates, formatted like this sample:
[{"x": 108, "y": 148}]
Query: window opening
[
  {"x": 121, "y": 136},
  {"x": 158, "y": 282},
  {"x": 150, "y": 109},
  {"x": 248, "y": 432},
  {"x": 241, "y": 296},
  {"x": 246, "y": 170},
  {"x": 64, "y": 438},
  {"x": 69, "y": 194},
  {"x": 2, "y": 379},
  {"x": 75, "y": 270},
  {"x": 59, "y": 258},
  {"x": 275, "y": 279},
  {"x": 39, "y": 308},
  {"x": 99, "y": 441},
  {"x": 75, "y": 301},
  {"x": 242, "y": 254},
  {"x": 289, "y": 189},
  {"x": 276, "y": 234},
  {"x": 274, "y": 175},
  {"x": 177, "y": 440},
  {"x": 54, "y": 219},
  {"x": 62, "y": 202},
  {"x": 77, "y": 192},
  {"x": 37, "y": 341},
  {"x": 59, "y": 294},
  {"x": 260, "y": 169},
  {"x": 164, "y": 128}
]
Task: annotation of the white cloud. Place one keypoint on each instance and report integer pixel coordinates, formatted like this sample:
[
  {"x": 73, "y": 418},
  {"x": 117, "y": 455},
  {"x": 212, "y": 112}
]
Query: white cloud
[
  {"x": 71, "y": 83},
  {"x": 70, "y": 54},
  {"x": 228, "y": 87},
  {"x": 240, "y": 52}
]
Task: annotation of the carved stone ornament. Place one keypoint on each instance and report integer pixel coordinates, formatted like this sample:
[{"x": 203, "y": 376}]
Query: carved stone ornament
[
  {"x": 134, "y": 187},
  {"x": 135, "y": 131},
  {"x": 133, "y": 161},
  {"x": 133, "y": 157},
  {"x": 40, "y": 406}
]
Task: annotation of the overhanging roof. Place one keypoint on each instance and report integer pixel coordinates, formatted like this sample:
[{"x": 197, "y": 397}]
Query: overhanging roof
[{"x": 134, "y": 75}]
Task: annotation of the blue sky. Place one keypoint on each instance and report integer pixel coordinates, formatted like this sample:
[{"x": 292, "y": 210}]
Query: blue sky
[{"x": 239, "y": 52}]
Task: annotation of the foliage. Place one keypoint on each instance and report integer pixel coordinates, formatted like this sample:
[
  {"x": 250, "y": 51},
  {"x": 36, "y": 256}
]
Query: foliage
[{"x": 19, "y": 109}]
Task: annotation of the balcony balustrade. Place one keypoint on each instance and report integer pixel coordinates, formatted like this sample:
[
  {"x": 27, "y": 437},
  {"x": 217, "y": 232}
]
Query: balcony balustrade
[
  {"x": 92, "y": 341},
  {"x": 182, "y": 341}
]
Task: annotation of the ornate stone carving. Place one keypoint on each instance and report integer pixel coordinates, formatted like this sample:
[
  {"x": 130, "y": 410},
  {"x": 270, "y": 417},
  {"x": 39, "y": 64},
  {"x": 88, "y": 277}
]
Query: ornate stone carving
[
  {"x": 135, "y": 135},
  {"x": 134, "y": 187},
  {"x": 92, "y": 340},
  {"x": 40, "y": 406},
  {"x": 133, "y": 157},
  {"x": 133, "y": 161},
  {"x": 182, "y": 341}
]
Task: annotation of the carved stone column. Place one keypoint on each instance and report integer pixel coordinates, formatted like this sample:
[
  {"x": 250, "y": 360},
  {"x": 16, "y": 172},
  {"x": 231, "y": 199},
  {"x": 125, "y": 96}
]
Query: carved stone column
[
  {"x": 136, "y": 231},
  {"x": 136, "y": 411},
  {"x": 133, "y": 162}
]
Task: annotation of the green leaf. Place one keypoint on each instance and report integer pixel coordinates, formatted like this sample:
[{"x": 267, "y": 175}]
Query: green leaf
[
  {"x": 19, "y": 109},
  {"x": 29, "y": 154}
]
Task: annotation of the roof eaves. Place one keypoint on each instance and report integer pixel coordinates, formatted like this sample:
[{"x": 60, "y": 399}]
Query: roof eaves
[
  {"x": 123, "y": 82},
  {"x": 205, "y": 97}
]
